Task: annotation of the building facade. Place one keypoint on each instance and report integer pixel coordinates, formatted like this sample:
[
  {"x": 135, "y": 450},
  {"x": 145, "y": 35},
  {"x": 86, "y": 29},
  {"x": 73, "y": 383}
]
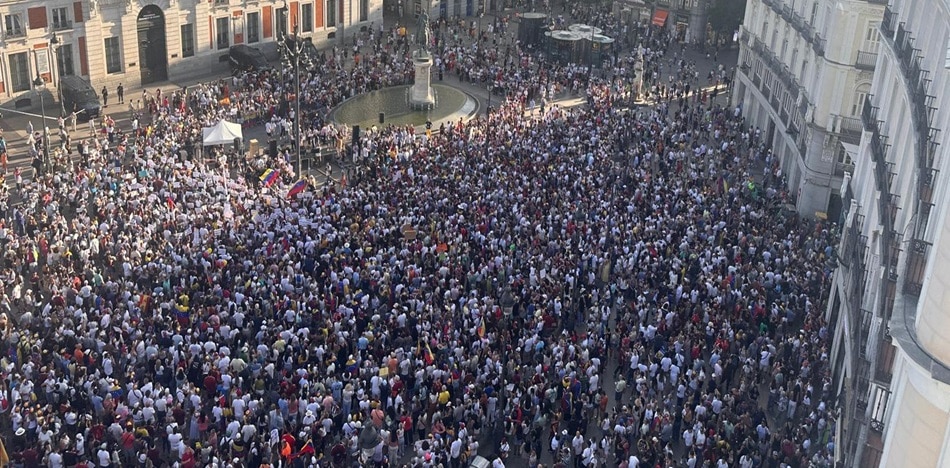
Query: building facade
[
  {"x": 892, "y": 288},
  {"x": 148, "y": 41},
  {"x": 805, "y": 69}
]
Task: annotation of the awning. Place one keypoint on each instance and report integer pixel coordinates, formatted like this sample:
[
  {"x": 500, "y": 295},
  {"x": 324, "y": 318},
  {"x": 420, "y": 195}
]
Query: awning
[{"x": 659, "y": 17}]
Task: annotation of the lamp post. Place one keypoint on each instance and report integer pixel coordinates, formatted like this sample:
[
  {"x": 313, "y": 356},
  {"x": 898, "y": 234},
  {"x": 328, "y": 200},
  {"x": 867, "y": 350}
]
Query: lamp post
[
  {"x": 488, "y": 107},
  {"x": 38, "y": 83},
  {"x": 54, "y": 47},
  {"x": 507, "y": 303},
  {"x": 290, "y": 57}
]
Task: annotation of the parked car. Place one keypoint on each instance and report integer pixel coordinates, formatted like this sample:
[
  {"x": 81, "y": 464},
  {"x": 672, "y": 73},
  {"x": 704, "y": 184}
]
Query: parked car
[
  {"x": 78, "y": 96},
  {"x": 246, "y": 58}
]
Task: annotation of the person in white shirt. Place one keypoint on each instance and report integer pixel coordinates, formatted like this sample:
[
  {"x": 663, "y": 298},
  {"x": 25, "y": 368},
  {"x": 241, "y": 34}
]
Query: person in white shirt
[{"x": 103, "y": 457}]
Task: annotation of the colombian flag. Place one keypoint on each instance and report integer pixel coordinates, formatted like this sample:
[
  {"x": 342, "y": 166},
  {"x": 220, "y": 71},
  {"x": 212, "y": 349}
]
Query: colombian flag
[
  {"x": 300, "y": 186},
  {"x": 269, "y": 177},
  {"x": 481, "y": 328}
]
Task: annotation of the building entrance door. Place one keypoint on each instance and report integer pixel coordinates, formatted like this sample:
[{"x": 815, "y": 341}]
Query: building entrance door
[{"x": 153, "y": 59}]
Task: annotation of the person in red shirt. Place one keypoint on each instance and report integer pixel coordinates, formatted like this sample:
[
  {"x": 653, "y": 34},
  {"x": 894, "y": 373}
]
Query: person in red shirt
[{"x": 188, "y": 458}]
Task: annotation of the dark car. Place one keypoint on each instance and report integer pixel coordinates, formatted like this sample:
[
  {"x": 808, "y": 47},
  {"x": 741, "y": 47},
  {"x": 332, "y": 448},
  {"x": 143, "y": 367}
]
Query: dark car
[
  {"x": 78, "y": 96},
  {"x": 246, "y": 58}
]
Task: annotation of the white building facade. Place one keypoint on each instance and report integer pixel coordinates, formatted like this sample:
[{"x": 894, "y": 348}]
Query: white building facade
[
  {"x": 891, "y": 295},
  {"x": 147, "y": 41},
  {"x": 805, "y": 68}
]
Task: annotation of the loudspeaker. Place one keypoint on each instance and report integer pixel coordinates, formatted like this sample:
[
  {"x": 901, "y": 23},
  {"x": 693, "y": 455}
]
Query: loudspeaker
[
  {"x": 237, "y": 144},
  {"x": 382, "y": 117},
  {"x": 272, "y": 148},
  {"x": 356, "y": 134}
]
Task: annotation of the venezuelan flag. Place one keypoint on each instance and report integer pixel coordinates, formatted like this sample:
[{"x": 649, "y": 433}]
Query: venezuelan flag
[
  {"x": 300, "y": 186},
  {"x": 269, "y": 177}
]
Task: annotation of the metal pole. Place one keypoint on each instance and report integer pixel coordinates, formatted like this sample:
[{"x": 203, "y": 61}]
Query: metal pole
[
  {"x": 46, "y": 163},
  {"x": 297, "y": 105}
]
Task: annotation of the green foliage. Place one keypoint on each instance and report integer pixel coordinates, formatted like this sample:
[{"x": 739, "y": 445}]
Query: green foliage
[{"x": 725, "y": 16}]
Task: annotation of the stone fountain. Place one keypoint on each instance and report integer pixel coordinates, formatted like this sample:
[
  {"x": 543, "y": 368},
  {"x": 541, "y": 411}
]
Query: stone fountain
[
  {"x": 416, "y": 104},
  {"x": 421, "y": 95}
]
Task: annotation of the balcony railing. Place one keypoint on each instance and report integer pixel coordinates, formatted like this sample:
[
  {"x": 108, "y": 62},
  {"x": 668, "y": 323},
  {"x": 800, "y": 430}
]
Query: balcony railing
[
  {"x": 887, "y": 23},
  {"x": 916, "y": 265},
  {"x": 848, "y": 128},
  {"x": 14, "y": 33},
  {"x": 882, "y": 178},
  {"x": 866, "y": 60},
  {"x": 869, "y": 115},
  {"x": 818, "y": 44},
  {"x": 61, "y": 25}
]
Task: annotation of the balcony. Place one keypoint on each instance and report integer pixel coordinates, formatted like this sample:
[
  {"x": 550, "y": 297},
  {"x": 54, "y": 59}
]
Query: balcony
[
  {"x": 887, "y": 23},
  {"x": 869, "y": 115},
  {"x": 15, "y": 34},
  {"x": 865, "y": 60},
  {"x": 847, "y": 128},
  {"x": 61, "y": 25},
  {"x": 818, "y": 44},
  {"x": 916, "y": 265}
]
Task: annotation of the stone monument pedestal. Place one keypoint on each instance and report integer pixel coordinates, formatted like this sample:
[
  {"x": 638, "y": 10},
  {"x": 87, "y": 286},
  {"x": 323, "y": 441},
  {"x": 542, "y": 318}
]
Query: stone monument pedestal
[{"x": 420, "y": 94}]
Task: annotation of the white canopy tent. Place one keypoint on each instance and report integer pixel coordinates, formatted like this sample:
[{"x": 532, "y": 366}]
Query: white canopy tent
[{"x": 222, "y": 133}]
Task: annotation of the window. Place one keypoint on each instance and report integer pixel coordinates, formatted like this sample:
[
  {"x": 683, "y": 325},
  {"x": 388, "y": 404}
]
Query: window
[
  {"x": 253, "y": 27},
  {"x": 765, "y": 29},
  {"x": 364, "y": 10},
  {"x": 860, "y": 96},
  {"x": 187, "y": 40},
  {"x": 872, "y": 37},
  {"x": 13, "y": 25},
  {"x": 306, "y": 17},
  {"x": 946, "y": 60},
  {"x": 113, "y": 55},
  {"x": 281, "y": 29},
  {"x": 64, "y": 60},
  {"x": 814, "y": 13},
  {"x": 331, "y": 13},
  {"x": 20, "y": 72},
  {"x": 61, "y": 19},
  {"x": 222, "y": 33}
]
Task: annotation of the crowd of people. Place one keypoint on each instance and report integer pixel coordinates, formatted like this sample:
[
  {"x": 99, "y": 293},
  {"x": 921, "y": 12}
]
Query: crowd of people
[{"x": 603, "y": 285}]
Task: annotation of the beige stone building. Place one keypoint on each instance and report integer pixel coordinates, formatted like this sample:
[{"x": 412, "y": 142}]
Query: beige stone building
[
  {"x": 150, "y": 41},
  {"x": 891, "y": 296},
  {"x": 805, "y": 69}
]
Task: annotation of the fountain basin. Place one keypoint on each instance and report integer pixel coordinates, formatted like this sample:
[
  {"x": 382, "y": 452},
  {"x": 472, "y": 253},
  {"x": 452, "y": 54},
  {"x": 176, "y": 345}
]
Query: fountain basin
[{"x": 363, "y": 110}]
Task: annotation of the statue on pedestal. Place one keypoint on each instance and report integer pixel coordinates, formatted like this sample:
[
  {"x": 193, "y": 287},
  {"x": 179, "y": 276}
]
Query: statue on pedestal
[{"x": 422, "y": 34}]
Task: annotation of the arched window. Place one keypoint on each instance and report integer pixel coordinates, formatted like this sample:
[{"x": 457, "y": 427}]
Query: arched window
[{"x": 860, "y": 95}]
